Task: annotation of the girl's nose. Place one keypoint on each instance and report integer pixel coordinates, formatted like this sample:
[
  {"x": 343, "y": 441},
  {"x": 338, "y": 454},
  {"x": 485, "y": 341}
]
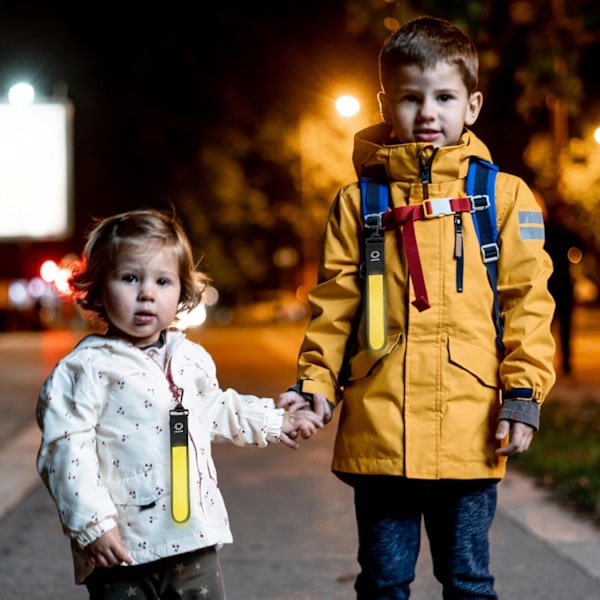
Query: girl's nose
[{"x": 146, "y": 291}]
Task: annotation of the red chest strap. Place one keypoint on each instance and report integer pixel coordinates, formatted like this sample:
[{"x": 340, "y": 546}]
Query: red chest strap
[{"x": 405, "y": 216}]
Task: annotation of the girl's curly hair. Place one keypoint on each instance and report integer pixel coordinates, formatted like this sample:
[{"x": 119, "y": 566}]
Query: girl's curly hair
[{"x": 132, "y": 231}]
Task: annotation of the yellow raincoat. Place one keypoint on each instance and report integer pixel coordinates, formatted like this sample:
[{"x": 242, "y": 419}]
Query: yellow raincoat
[{"x": 426, "y": 406}]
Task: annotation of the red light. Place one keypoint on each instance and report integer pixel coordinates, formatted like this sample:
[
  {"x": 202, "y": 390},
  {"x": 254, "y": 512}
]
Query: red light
[{"x": 48, "y": 271}]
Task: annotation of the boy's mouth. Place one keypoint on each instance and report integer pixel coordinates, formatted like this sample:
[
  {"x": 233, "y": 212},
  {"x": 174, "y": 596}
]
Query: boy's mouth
[{"x": 426, "y": 135}]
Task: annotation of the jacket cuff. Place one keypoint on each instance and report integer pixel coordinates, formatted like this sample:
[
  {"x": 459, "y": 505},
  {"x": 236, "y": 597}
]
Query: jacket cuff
[
  {"x": 522, "y": 411},
  {"x": 297, "y": 387},
  {"x": 86, "y": 537},
  {"x": 273, "y": 425}
]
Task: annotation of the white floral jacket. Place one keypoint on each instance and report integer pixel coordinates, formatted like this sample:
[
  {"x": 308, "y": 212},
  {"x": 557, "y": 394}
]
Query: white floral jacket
[{"x": 105, "y": 450}]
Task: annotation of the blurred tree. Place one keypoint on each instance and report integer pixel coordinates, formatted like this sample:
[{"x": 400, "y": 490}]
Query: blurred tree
[
  {"x": 253, "y": 186},
  {"x": 553, "y": 95},
  {"x": 551, "y": 83}
]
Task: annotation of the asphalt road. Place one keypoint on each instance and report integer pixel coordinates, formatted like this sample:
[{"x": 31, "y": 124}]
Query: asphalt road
[{"x": 293, "y": 523}]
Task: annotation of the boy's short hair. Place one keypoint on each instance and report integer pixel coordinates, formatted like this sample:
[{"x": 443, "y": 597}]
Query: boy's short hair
[{"x": 426, "y": 41}]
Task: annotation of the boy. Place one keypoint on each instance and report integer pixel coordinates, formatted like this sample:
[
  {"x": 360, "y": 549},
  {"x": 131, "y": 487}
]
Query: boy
[{"x": 427, "y": 422}]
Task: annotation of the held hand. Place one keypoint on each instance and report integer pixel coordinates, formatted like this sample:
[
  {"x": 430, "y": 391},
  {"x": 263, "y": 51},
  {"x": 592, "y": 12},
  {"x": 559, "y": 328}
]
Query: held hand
[
  {"x": 292, "y": 401},
  {"x": 303, "y": 423},
  {"x": 521, "y": 436},
  {"x": 108, "y": 550},
  {"x": 322, "y": 408}
]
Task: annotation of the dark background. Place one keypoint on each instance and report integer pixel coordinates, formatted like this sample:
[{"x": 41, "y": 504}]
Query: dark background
[
  {"x": 157, "y": 88},
  {"x": 150, "y": 85}
]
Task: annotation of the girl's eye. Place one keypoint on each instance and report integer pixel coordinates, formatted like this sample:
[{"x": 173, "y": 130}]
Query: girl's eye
[
  {"x": 162, "y": 281},
  {"x": 129, "y": 278}
]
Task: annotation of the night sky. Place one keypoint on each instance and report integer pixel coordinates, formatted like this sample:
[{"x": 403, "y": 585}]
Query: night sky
[{"x": 148, "y": 85}]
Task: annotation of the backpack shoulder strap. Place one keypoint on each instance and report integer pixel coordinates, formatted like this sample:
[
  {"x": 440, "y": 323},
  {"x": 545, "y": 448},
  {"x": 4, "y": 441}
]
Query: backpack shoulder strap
[
  {"x": 481, "y": 184},
  {"x": 374, "y": 195},
  {"x": 374, "y": 202}
]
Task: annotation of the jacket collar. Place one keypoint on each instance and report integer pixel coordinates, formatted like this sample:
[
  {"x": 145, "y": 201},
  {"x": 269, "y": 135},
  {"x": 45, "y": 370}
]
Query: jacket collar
[{"x": 375, "y": 150}]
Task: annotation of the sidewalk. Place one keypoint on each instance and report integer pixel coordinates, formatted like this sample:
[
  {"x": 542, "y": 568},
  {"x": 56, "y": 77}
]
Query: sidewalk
[
  {"x": 532, "y": 508},
  {"x": 293, "y": 524}
]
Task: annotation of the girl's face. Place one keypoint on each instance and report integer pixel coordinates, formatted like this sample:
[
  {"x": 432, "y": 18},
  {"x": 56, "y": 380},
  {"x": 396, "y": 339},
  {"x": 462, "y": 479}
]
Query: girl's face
[
  {"x": 141, "y": 293},
  {"x": 430, "y": 105}
]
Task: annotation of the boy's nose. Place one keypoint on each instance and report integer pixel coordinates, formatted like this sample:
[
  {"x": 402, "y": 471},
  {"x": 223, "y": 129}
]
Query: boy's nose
[{"x": 427, "y": 110}]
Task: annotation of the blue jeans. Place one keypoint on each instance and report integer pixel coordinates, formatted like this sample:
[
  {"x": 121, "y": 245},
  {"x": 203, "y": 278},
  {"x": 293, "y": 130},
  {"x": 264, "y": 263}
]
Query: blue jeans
[{"x": 457, "y": 516}]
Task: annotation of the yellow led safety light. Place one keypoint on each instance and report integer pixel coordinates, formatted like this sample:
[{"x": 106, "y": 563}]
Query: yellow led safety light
[{"x": 180, "y": 479}]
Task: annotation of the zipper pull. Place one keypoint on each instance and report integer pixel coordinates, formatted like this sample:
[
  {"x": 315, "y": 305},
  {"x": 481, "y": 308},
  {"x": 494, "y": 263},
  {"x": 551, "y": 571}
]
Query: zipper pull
[
  {"x": 458, "y": 252},
  {"x": 458, "y": 237},
  {"x": 425, "y": 162}
]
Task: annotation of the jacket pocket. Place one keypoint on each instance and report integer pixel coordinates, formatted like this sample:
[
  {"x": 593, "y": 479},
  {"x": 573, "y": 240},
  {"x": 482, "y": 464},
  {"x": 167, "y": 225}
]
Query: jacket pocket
[
  {"x": 476, "y": 360},
  {"x": 142, "y": 489},
  {"x": 363, "y": 362}
]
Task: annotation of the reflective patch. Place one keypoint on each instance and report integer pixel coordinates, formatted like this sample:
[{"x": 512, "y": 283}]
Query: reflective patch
[
  {"x": 532, "y": 233},
  {"x": 530, "y": 217}
]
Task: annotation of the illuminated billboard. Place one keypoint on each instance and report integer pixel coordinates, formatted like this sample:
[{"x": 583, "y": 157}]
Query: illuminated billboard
[{"x": 35, "y": 171}]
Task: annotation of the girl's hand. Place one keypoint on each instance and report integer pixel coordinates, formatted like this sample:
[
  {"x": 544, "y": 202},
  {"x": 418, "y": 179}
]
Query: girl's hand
[
  {"x": 303, "y": 423},
  {"x": 108, "y": 550}
]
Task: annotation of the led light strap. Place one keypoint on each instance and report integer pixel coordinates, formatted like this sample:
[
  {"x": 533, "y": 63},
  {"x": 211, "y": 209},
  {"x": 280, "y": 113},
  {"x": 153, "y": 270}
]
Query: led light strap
[{"x": 180, "y": 484}]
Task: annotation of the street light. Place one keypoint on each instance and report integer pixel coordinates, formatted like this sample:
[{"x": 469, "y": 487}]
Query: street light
[
  {"x": 347, "y": 106},
  {"x": 21, "y": 94},
  {"x": 325, "y": 151}
]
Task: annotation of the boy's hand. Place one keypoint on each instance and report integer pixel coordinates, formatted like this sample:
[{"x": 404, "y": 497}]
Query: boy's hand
[
  {"x": 293, "y": 401},
  {"x": 520, "y": 437},
  {"x": 108, "y": 550},
  {"x": 303, "y": 423}
]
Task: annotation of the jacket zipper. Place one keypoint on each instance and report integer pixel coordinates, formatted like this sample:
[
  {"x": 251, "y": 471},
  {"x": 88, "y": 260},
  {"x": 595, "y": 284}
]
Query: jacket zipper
[{"x": 425, "y": 164}]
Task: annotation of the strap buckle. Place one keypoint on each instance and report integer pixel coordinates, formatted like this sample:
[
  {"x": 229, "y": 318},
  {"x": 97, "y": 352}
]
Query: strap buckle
[
  {"x": 490, "y": 252},
  {"x": 373, "y": 221},
  {"x": 480, "y": 202},
  {"x": 437, "y": 207}
]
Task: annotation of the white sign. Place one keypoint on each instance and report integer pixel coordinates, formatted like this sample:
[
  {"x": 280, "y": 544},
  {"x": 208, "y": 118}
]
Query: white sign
[{"x": 35, "y": 171}]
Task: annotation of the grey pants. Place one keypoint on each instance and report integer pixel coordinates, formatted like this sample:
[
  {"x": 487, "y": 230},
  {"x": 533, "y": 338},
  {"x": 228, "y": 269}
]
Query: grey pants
[{"x": 191, "y": 576}]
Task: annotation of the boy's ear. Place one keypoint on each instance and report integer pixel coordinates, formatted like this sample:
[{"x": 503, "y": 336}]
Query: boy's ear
[
  {"x": 473, "y": 108},
  {"x": 384, "y": 107}
]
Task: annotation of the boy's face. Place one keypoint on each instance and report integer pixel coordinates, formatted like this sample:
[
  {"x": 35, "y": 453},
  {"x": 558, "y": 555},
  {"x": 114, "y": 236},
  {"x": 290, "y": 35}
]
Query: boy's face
[{"x": 430, "y": 105}]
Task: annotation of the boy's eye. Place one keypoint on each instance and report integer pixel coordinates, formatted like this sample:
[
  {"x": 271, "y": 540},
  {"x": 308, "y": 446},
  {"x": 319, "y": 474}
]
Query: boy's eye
[
  {"x": 445, "y": 97},
  {"x": 411, "y": 98}
]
